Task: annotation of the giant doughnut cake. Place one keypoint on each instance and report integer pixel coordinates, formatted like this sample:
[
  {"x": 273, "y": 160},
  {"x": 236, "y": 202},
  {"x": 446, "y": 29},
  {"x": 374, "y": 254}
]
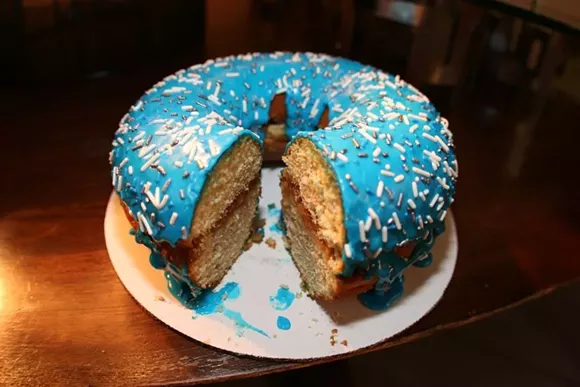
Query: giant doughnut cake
[{"x": 370, "y": 171}]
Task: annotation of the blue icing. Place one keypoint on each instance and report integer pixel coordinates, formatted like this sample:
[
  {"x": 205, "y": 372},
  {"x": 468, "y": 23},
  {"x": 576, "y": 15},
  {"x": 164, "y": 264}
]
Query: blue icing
[
  {"x": 389, "y": 148},
  {"x": 278, "y": 226},
  {"x": 384, "y": 298},
  {"x": 213, "y": 301},
  {"x": 210, "y": 302},
  {"x": 282, "y": 300},
  {"x": 283, "y": 323},
  {"x": 273, "y": 210}
]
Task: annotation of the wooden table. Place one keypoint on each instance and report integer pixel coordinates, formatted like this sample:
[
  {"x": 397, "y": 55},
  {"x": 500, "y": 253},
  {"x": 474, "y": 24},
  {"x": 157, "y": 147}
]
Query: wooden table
[{"x": 65, "y": 318}]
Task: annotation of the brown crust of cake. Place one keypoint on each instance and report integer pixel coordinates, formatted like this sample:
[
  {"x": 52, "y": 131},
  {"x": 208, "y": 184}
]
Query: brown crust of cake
[{"x": 342, "y": 286}]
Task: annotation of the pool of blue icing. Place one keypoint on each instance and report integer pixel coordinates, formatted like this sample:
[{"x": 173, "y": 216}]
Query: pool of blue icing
[
  {"x": 283, "y": 299},
  {"x": 283, "y": 323},
  {"x": 202, "y": 301}
]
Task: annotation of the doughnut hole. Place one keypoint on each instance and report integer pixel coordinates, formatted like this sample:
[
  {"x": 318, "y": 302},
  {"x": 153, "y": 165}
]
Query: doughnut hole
[
  {"x": 275, "y": 138},
  {"x": 324, "y": 120},
  {"x": 230, "y": 178}
]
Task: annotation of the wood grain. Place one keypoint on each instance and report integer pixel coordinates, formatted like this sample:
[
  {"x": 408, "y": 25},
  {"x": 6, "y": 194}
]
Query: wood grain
[{"x": 65, "y": 318}]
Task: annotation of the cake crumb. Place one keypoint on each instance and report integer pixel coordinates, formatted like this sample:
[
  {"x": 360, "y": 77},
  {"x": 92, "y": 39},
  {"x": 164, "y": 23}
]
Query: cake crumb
[
  {"x": 275, "y": 336},
  {"x": 334, "y": 331},
  {"x": 159, "y": 298},
  {"x": 284, "y": 286},
  {"x": 298, "y": 295},
  {"x": 344, "y": 342},
  {"x": 271, "y": 206},
  {"x": 271, "y": 242}
]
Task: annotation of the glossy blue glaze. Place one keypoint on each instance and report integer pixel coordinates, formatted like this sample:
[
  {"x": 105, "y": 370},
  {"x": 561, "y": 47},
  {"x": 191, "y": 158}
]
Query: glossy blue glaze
[
  {"x": 283, "y": 299},
  {"x": 389, "y": 148},
  {"x": 283, "y": 323}
]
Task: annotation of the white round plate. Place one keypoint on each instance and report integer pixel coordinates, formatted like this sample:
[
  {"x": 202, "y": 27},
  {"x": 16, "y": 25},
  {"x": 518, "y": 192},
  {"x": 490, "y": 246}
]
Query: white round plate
[{"x": 251, "y": 320}]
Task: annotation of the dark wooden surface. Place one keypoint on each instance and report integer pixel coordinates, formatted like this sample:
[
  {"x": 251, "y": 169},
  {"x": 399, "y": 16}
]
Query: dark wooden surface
[{"x": 65, "y": 318}]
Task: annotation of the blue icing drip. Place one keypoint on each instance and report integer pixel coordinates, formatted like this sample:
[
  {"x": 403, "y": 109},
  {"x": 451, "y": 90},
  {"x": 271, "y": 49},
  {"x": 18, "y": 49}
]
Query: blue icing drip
[
  {"x": 390, "y": 150},
  {"x": 211, "y": 302},
  {"x": 384, "y": 298},
  {"x": 283, "y": 323},
  {"x": 283, "y": 299},
  {"x": 241, "y": 324},
  {"x": 424, "y": 262}
]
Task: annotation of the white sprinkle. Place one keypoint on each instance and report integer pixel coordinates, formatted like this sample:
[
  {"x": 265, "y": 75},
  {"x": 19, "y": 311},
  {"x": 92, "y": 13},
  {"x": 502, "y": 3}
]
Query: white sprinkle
[
  {"x": 208, "y": 85},
  {"x": 183, "y": 232},
  {"x": 422, "y": 196},
  {"x": 397, "y": 221},
  {"x": 146, "y": 224},
  {"x": 122, "y": 164},
  {"x": 432, "y": 156},
  {"x": 256, "y": 115},
  {"x": 173, "y": 218},
  {"x": 411, "y": 203},
  {"x": 399, "y": 147},
  {"x": 413, "y": 128},
  {"x": 377, "y": 152},
  {"x": 429, "y": 219},
  {"x": 137, "y": 106},
  {"x": 120, "y": 183},
  {"x": 368, "y": 223},
  {"x": 130, "y": 169},
  {"x": 421, "y": 172},
  {"x": 375, "y": 218},
  {"x": 434, "y": 200},
  {"x": 415, "y": 189},
  {"x": 428, "y": 136},
  {"x": 391, "y": 116},
  {"x": 420, "y": 118},
  {"x": 443, "y": 216},
  {"x": 178, "y": 164},
  {"x": 367, "y": 136},
  {"x": 150, "y": 161},
  {"x": 232, "y": 74},
  {"x": 214, "y": 149},
  {"x": 443, "y": 182},
  {"x": 143, "y": 206},
  {"x": 361, "y": 231},
  {"x": 214, "y": 99},
  {"x": 144, "y": 151},
  {"x": 420, "y": 219},
  {"x": 314, "y": 110},
  {"x": 405, "y": 120},
  {"x": 380, "y": 188},
  {"x": 244, "y": 106},
  {"x": 387, "y": 173},
  {"x": 347, "y": 176},
  {"x": 378, "y": 252},
  {"x": 385, "y": 234},
  {"x": 399, "y": 178},
  {"x": 342, "y": 157},
  {"x": 443, "y": 144},
  {"x": 347, "y": 251},
  {"x": 164, "y": 201}
]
